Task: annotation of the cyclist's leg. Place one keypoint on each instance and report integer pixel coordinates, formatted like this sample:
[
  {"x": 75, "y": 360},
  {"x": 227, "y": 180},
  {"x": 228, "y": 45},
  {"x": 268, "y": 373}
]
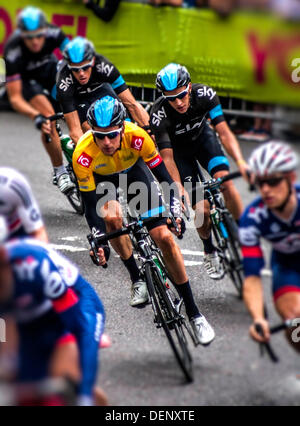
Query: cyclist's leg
[
  {"x": 111, "y": 211},
  {"x": 213, "y": 159},
  {"x": 286, "y": 292}
]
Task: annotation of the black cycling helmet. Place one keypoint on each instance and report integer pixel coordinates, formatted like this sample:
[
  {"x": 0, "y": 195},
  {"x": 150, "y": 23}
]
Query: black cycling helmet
[
  {"x": 78, "y": 50},
  {"x": 171, "y": 77},
  {"x": 106, "y": 112},
  {"x": 31, "y": 19}
]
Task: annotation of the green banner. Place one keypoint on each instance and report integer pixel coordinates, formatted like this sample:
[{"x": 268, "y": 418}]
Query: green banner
[{"x": 251, "y": 56}]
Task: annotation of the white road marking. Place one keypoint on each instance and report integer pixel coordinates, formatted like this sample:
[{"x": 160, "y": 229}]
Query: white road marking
[
  {"x": 192, "y": 263},
  {"x": 192, "y": 252},
  {"x": 266, "y": 272},
  {"x": 67, "y": 248},
  {"x": 70, "y": 238}
]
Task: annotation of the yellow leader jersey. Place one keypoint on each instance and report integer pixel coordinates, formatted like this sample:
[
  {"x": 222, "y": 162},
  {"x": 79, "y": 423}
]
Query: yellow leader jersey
[{"x": 89, "y": 159}]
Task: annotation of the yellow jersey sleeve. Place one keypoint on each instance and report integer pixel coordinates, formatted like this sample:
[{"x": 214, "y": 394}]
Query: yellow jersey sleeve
[{"x": 83, "y": 165}]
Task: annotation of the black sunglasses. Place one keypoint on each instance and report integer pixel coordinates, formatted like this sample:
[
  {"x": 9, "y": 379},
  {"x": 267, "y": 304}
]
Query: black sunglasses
[
  {"x": 272, "y": 182},
  {"x": 111, "y": 135},
  {"x": 180, "y": 95},
  {"x": 32, "y": 36}
]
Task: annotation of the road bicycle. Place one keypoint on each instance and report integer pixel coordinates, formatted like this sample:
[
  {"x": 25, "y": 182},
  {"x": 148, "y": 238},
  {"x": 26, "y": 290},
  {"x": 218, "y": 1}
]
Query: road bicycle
[
  {"x": 224, "y": 227},
  {"x": 166, "y": 305},
  {"x": 73, "y": 195}
]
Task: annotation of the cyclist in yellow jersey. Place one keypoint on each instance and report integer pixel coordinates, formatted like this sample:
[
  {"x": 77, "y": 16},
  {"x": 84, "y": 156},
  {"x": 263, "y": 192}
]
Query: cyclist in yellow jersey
[{"x": 115, "y": 151}]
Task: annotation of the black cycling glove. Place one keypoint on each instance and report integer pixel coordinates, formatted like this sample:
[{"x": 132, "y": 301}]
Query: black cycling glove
[
  {"x": 176, "y": 210},
  {"x": 39, "y": 120}
]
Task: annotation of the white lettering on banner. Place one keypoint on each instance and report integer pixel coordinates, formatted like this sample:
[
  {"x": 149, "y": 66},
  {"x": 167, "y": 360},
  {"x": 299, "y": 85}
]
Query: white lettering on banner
[
  {"x": 104, "y": 68},
  {"x": 296, "y": 72},
  {"x": 65, "y": 84},
  {"x": 206, "y": 91},
  {"x": 158, "y": 116}
]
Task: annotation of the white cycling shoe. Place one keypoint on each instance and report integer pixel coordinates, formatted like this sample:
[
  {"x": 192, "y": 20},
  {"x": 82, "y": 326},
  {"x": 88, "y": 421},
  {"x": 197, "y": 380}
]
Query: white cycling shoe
[
  {"x": 139, "y": 293},
  {"x": 213, "y": 266},
  {"x": 203, "y": 331},
  {"x": 64, "y": 183}
]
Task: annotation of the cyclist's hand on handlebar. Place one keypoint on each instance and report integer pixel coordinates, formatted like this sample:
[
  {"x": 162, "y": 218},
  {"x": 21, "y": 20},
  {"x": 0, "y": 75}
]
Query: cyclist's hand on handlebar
[
  {"x": 181, "y": 228},
  {"x": 42, "y": 123},
  {"x": 260, "y": 330},
  {"x": 103, "y": 255},
  {"x": 244, "y": 169}
]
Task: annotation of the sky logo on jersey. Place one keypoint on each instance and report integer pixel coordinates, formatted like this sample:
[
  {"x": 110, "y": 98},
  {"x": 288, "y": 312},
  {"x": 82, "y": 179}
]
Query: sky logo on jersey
[
  {"x": 137, "y": 143},
  {"x": 104, "y": 68},
  {"x": 65, "y": 83},
  {"x": 85, "y": 160},
  {"x": 158, "y": 116},
  {"x": 206, "y": 91}
]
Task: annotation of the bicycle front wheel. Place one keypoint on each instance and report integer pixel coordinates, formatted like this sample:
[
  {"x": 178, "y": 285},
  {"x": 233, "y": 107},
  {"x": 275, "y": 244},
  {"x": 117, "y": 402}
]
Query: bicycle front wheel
[
  {"x": 233, "y": 257},
  {"x": 169, "y": 319}
]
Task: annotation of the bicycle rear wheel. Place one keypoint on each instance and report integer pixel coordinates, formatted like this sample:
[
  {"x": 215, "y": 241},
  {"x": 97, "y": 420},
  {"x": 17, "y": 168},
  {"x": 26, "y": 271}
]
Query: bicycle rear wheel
[
  {"x": 169, "y": 319},
  {"x": 233, "y": 257}
]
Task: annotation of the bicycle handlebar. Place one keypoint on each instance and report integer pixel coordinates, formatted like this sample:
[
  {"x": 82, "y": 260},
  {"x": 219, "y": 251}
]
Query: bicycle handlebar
[{"x": 54, "y": 117}]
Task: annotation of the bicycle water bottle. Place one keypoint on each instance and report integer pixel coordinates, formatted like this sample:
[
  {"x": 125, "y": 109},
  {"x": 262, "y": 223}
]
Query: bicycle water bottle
[
  {"x": 214, "y": 214},
  {"x": 67, "y": 147}
]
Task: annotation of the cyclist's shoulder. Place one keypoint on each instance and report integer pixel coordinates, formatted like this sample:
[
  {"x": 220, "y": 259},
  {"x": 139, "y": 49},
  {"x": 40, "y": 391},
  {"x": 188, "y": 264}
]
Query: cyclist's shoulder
[
  {"x": 203, "y": 92},
  {"x": 255, "y": 212},
  {"x": 10, "y": 177},
  {"x": 13, "y": 46},
  {"x": 160, "y": 113},
  {"x": 135, "y": 136},
  {"x": 86, "y": 146},
  {"x": 25, "y": 248}
]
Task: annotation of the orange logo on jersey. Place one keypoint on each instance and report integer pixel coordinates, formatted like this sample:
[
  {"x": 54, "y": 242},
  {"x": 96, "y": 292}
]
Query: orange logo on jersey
[
  {"x": 137, "y": 142},
  {"x": 84, "y": 160}
]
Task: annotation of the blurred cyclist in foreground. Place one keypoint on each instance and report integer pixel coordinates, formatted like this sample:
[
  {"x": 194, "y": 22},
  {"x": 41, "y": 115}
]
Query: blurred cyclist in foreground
[
  {"x": 60, "y": 318},
  {"x": 274, "y": 216}
]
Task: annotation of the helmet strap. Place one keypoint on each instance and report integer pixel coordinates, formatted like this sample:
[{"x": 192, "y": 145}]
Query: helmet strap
[{"x": 283, "y": 205}]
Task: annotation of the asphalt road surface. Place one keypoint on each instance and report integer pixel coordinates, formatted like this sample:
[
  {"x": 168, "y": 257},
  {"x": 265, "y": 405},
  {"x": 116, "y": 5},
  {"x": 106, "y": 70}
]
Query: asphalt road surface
[{"x": 139, "y": 368}]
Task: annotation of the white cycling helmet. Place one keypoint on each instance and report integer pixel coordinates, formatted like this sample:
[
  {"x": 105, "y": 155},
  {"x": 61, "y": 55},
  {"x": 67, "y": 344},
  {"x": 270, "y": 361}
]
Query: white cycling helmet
[
  {"x": 273, "y": 157},
  {"x": 3, "y": 230}
]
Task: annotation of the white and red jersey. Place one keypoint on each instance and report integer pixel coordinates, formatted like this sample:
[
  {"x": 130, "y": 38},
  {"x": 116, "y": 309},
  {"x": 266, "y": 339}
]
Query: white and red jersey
[{"x": 18, "y": 204}]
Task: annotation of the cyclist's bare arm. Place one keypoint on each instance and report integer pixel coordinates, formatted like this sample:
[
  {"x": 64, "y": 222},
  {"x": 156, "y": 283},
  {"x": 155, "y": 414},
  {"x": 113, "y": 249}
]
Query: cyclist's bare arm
[
  {"x": 167, "y": 156},
  {"x": 40, "y": 234},
  {"x": 254, "y": 300},
  {"x": 19, "y": 104},
  {"x": 73, "y": 123},
  {"x": 138, "y": 113},
  {"x": 232, "y": 146}
]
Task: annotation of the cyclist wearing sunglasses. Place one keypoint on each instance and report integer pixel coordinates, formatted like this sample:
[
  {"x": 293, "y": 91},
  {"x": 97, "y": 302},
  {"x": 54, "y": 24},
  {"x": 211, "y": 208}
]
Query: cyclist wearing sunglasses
[
  {"x": 178, "y": 120},
  {"x": 30, "y": 79},
  {"x": 115, "y": 151},
  {"x": 79, "y": 83},
  {"x": 275, "y": 217}
]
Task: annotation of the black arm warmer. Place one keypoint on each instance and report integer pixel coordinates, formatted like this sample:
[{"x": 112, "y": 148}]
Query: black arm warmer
[
  {"x": 92, "y": 218},
  {"x": 161, "y": 173}
]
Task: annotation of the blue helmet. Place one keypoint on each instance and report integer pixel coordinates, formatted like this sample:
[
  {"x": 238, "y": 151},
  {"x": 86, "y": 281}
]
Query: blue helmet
[
  {"x": 78, "y": 50},
  {"x": 31, "y": 19},
  {"x": 171, "y": 77},
  {"x": 106, "y": 112}
]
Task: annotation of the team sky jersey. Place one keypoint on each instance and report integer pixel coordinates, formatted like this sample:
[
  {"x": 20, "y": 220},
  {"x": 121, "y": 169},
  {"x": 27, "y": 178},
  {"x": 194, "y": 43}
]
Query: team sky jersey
[
  {"x": 45, "y": 281},
  {"x": 22, "y": 63},
  {"x": 259, "y": 222},
  {"x": 182, "y": 130},
  {"x": 68, "y": 87},
  {"x": 17, "y": 203},
  {"x": 89, "y": 159}
]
